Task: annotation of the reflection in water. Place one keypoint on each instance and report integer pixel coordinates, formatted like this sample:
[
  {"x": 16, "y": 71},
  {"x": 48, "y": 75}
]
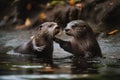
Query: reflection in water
[
  {"x": 30, "y": 64},
  {"x": 29, "y": 67},
  {"x": 25, "y": 64},
  {"x": 83, "y": 66},
  {"x": 35, "y": 64}
]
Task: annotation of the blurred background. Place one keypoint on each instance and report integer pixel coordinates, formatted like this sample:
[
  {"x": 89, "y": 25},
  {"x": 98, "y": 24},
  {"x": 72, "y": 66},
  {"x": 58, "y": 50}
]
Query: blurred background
[{"x": 25, "y": 14}]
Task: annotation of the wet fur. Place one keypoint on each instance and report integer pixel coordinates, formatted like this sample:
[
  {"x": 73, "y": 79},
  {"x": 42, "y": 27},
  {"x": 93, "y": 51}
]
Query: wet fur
[
  {"x": 41, "y": 45},
  {"x": 82, "y": 43}
]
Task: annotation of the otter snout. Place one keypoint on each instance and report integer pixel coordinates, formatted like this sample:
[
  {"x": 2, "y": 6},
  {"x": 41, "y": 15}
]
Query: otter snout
[
  {"x": 67, "y": 30},
  {"x": 56, "y": 30}
]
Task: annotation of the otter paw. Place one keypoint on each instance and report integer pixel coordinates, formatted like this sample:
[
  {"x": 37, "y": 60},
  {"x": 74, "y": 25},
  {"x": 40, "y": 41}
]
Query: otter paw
[
  {"x": 88, "y": 55},
  {"x": 39, "y": 48}
]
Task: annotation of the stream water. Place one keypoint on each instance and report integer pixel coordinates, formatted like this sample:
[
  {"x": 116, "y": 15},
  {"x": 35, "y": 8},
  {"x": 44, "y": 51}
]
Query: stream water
[{"x": 25, "y": 67}]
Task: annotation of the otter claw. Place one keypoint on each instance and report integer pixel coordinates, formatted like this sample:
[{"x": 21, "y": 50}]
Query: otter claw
[
  {"x": 39, "y": 48},
  {"x": 36, "y": 47}
]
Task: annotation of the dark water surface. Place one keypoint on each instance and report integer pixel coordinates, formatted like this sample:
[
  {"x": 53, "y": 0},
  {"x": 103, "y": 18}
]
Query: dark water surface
[{"x": 26, "y": 67}]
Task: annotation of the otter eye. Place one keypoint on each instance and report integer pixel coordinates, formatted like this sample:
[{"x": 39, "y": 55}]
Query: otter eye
[
  {"x": 40, "y": 26},
  {"x": 73, "y": 26},
  {"x": 84, "y": 25},
  {"x": 51, "y": 25}
]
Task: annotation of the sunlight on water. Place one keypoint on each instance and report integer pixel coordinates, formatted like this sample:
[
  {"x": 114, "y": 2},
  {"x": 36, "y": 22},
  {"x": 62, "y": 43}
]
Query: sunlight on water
[
  {"x": 40, "y": 77},
  {"x": 25, "y": 66}
]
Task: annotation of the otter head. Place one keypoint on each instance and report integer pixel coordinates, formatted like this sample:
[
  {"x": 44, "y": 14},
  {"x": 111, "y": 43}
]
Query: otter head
[
  {"x": 50, "y": 28},
  {"x": 77, "y": 28}
]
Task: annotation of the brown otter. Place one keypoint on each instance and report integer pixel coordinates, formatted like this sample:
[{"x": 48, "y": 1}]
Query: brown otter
[
  {"x": 41, "y": 44},
  {"x": 82, "y": 43}
]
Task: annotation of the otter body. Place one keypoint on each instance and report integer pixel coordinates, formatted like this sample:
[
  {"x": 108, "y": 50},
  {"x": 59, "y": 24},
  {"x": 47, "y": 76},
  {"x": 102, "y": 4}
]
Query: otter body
[
  {"x": 41, "y": 43},
  {"x": 82, "y": 42}
]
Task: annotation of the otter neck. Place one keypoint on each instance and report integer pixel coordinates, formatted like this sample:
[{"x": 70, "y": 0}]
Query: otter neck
[
  {"x": 85, "y": 41},
  {"x": 84, "y": 36}
]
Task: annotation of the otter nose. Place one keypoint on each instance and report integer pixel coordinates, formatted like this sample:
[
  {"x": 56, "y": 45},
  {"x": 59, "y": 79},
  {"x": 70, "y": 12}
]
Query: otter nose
[{"x": 67, "y": 30}]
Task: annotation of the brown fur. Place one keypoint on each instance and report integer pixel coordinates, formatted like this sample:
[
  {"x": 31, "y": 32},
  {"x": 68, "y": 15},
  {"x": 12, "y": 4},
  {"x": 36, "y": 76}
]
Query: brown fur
[
  {"x": 83, "y": 42},
  {"x": 41, "y": 44}
]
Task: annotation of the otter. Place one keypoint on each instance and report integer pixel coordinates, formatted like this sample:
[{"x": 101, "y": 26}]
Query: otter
[
  {"x": 82, "y": 42},
  {"x": 41, "y": 44}
]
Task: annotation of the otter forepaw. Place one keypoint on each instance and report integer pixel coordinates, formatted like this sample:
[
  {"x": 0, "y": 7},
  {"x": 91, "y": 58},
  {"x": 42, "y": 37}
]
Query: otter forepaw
[
  {"x": 39, "y": 48},
  {"x": 35, "y": 47},
  {"x": 88, "y": 55}
]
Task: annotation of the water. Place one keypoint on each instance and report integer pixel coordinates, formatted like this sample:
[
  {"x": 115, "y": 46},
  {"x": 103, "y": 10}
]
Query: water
[{"x": 27, "y": 67}]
